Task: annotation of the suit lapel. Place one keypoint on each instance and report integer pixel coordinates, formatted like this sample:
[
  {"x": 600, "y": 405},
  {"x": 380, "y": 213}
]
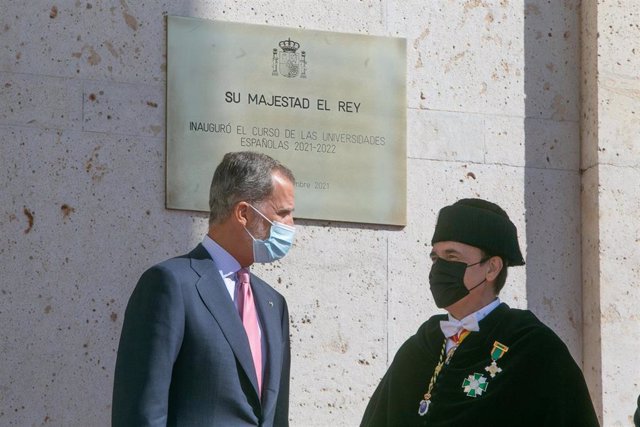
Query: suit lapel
[{"x": 214, "y": 294}]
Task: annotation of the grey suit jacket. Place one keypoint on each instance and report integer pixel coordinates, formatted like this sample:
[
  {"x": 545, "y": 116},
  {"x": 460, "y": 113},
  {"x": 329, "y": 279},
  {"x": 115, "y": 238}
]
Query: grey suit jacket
[{"x": 184, "y": 357}]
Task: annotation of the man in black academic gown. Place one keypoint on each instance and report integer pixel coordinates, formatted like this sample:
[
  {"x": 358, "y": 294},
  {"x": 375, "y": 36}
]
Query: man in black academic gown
[{"x": 484, "y": 364}]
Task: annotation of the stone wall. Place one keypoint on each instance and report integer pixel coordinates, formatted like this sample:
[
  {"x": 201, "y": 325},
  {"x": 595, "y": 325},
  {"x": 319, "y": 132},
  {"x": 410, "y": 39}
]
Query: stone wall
[
  {"x": 493, "y": 109},
  {"x": 610, "y": 203}
]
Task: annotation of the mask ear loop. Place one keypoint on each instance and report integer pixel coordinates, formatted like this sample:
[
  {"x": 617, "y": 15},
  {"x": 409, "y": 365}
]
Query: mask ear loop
[
  {"x": 482, "y": 260},
  {"x": 483, "y": 281},
  {"x": 261, "y": 214},
  {"x": 479, "y": 262},
  {"x": 247, "y": 230},
  {"x": 249, "y": 233},
  {"x": 285, "y": 226}
]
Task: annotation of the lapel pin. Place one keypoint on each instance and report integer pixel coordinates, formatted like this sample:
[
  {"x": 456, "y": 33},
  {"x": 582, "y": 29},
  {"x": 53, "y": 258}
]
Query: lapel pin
[{"x": 271, "y": 303}]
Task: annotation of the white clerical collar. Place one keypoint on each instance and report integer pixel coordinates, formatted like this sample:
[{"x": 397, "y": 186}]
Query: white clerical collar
[{"x": 227, "y": 264}]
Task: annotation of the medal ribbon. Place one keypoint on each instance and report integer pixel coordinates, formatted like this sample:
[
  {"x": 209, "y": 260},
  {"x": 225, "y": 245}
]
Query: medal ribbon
[
  {"x": 460, "y": 336},
  {"x": 498, "y": 351}
]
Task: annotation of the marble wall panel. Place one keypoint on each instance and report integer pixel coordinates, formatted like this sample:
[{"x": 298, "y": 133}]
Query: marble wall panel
[
  {"x": 363, "y": 17},
  {"x": 114, "y": 40},
  {"x": 544, "y": 144},
  {"x": 553, "y": 227},
  {"x": 535, "y": 143},
  {"x": 494, "y": 139},
  {"x": 124, "y": 41},
  {"x": 82, "y": 216},
  {"x": 124, "y": 109},
  {"x": 611, "y": 161},
  {"x": 475, "y": 56},
  {"x": 619, "y": 85},
  {"x": 589, "y": 88},
  {"x": 448, "y": 136},
  {"x": 463, "y": 56},
  {"x": 619, "y": 292},
  {"x": 40, "y": 101},
  {"x": 552, "y": 59},
  {"x": 619, "y": 109},
  {"x": 618, "y": 38}
]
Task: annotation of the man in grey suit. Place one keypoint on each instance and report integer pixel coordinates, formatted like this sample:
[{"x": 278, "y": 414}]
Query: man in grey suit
[{"x": 202, "y": 344}]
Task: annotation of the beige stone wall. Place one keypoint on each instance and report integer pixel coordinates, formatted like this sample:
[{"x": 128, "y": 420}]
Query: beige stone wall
[
  {"x": 494, "y": 111},
  {"x": 610, "y": 203}
]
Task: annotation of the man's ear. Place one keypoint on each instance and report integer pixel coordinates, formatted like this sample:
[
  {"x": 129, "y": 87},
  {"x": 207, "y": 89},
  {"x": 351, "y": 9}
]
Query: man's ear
[
  {"x": 495, "y": 267},
  {"x": 240, "y": 213}
]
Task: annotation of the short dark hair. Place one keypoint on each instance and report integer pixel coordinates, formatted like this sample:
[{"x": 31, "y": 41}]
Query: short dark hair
[{"x": 242, "y": 176}]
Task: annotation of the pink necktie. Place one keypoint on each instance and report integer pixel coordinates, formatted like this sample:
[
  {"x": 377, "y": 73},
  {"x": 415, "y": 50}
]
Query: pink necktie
[{"x": 249, "y": 316}]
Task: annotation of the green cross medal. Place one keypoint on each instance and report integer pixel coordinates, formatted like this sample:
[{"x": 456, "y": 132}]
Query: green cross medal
[
  {"x": 497, "y": 352},
  {"x": 474, "y": 385}
]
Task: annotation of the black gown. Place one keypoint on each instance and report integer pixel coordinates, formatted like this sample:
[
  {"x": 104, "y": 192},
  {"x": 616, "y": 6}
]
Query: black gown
[{"x": 540, "y": 383}]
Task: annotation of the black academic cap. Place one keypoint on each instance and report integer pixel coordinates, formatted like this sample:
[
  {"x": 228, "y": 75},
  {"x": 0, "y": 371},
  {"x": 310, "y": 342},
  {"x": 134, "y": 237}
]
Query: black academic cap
[{"x": 482, "y": 224}]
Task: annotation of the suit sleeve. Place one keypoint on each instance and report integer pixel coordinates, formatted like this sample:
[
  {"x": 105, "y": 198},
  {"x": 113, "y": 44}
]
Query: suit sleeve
[
  {"x": 150, "y": 341},
  {"x": 281, "y": 418}
]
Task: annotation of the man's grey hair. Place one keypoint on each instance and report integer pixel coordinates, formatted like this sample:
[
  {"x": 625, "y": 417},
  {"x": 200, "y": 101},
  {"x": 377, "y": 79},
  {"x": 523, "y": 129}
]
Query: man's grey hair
[{"x": 242, "y": 176}]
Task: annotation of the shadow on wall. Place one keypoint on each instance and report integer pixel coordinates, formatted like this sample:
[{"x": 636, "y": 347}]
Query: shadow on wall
[{"x": 552, "y": 161}]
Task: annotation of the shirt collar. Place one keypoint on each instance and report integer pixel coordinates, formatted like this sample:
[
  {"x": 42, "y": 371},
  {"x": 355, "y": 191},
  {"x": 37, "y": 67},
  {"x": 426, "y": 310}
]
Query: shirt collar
[
  {"x": 227, "y": 264},
  {"x": 482, "y": 313}
]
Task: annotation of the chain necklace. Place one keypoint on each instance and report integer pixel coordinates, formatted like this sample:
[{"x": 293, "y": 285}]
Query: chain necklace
[{"x": 457, "y": 339}]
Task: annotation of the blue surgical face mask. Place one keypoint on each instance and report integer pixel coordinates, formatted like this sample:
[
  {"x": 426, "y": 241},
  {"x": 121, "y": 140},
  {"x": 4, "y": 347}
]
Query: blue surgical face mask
[{"x": 276, "y": 245}]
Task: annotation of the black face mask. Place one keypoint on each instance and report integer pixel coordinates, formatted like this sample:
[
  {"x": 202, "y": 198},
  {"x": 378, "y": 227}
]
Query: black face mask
[{"x": 447, "y": 281}]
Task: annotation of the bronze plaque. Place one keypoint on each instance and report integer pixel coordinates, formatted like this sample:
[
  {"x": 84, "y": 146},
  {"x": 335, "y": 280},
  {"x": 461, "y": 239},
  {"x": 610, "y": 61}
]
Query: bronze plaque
[{"x": 330, "y": 106}]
